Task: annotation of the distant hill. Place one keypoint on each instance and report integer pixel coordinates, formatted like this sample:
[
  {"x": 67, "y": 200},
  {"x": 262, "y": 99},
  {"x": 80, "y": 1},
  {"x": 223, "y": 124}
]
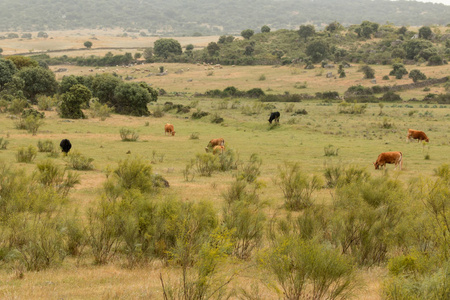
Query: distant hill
[{"x": 190, "y": 17}]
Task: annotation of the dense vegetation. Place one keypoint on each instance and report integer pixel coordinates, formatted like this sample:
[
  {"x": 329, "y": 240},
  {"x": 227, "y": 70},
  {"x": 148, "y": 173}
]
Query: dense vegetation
[
  {"x": 368, "y": 42},
  {"x": 209, "y": 16}
]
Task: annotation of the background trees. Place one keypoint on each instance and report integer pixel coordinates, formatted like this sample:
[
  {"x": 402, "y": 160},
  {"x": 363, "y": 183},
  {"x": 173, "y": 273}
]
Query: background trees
[
  {"x": 306, "y": 31},
  {"x": 7, "y": 70},
  {"x": 247, "y": 33},
  {"x": 165, "y": 47},
  {"x": 131, "y": 99},
  {"x": 72, "y": 100},
  {"x": 38, "y": 81}
]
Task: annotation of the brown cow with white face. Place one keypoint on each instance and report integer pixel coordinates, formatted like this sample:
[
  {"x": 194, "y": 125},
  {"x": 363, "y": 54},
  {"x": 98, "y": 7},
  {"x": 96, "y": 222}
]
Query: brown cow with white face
[
  {"x": 417, "y": 135},
  {"x": 168, "y": 128},
  {"x": 394, "y": 157}
]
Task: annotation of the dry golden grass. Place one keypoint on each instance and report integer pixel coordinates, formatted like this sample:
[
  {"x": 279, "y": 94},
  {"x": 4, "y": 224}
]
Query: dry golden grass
[{"x": 74, "y": 40}]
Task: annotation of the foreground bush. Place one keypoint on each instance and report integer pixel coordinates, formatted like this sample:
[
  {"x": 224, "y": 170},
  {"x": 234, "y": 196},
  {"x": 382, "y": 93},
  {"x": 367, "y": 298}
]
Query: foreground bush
[
  {"x": 309, "y": 270},
  {"x": 297, "y": 188}
]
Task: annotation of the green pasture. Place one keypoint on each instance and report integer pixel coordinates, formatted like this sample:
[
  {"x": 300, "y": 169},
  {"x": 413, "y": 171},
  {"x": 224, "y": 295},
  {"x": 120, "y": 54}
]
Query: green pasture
[{"x": 301, "y": 138}]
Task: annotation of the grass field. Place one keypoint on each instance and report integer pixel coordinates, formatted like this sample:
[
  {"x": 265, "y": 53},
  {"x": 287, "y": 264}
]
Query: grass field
[{"x": 301, "y": 138}]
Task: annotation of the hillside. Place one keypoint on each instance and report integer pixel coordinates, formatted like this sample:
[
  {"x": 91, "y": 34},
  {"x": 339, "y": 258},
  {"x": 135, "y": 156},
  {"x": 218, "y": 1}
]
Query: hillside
[{"x": 210, "y": 16}]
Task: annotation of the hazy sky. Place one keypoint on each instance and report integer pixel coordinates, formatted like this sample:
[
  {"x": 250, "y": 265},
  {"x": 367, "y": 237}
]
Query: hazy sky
[{"x": 446, "y": 2}]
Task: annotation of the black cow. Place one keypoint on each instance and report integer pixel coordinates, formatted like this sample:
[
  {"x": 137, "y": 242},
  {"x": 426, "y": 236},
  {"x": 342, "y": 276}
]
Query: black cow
[
  {"x": 65, "y": 145},
  {"x": 274, "y": 116}
]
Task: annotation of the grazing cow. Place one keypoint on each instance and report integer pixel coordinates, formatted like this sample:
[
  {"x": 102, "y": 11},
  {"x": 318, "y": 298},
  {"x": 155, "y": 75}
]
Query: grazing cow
[
  {"x": 417, "y": 135},
  {"x": 384, "y": 158},
  {"x": 168, "y": 128},
  {"x": 65, "y": 146},
  {"x": 216, "y": 142},
  {"x": 218, "y": 149},
  {"x": 274, "y": 116}
]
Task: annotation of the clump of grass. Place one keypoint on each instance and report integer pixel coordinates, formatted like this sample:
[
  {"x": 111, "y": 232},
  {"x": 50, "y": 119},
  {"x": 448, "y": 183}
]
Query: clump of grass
[
  {"x": 3, "y": 143},
  {"x": 158, "y": 113},
  {"x": 262, "y": 77},
  {"x": 330, "y": 150},
  {"x": 128, "y": 135},
  {"x": 194, "y": 136},
  {"x": 26, "y": 155}
]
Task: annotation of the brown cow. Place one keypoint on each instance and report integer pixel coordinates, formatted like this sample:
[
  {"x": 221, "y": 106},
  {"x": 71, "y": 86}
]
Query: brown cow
[
  {"x": 218, "y": 149},
  {"x": 216, "y": 142},
  {"x": 417, "y": 135},
  {"x": 395, "y": 157},
  {"x": 168, "y": 128}
]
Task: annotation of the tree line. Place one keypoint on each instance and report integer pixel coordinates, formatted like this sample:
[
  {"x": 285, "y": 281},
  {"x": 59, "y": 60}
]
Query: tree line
[{"x": 223, "y": 17}]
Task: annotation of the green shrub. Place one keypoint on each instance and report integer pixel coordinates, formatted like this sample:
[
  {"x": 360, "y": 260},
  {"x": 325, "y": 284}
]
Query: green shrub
[
  {"x": 99, "y": 110},
  {"x": 45, "y": 102},
  {"x": 367, "y": 212},
  {"x": 158, "y": 112},
  {"x": 250, "y": 171},
  {"x": 17, "y": 106},
  {"x": 45, "y": 146},
  {"x": 132, "y": 173},
  {"x": 43, "y": 246},
  {"x": 243, "y": 215},
  {"x": 79, "y": 161},
  {"x": 50, "y": 175},
  {"x": 199, "y": 114},
  {"x": 307, "y": 269},
  {"x": 216, "y": 119},
  {"x": 26, "y": 155},
  {"x": 206, "y": 164},
  {"x": 297, "y": 188},
  {"x": 128, "y": 135}
]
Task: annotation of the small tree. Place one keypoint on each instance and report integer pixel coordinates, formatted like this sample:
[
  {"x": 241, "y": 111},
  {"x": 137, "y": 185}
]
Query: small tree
[
  {"x": 88, "y": 44},
  {"x": 398, "y": 71},
  {"x": 73, "y": 100},
  {"x": 213, "y": 48},
  {"x": 165, "y": 47},
  {"x": 247, "y": 34},
  {"x": 417, "y": 75},
  {"x": 369, "y": 72},
  {"x": 265, "y": 29},
  {"x": 425, "y": 33},
  {"x": 306, "y": 31}
]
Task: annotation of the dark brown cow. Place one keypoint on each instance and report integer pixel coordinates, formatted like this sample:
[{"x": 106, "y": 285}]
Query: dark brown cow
[
  {"x": 417, "y": 135},
  {"x": 168, "y": 128},
  {"x": 395, "y": 157}
]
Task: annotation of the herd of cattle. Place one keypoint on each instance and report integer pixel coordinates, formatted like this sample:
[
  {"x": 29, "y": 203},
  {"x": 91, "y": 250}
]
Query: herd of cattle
[{"x": 217, "y": 146}]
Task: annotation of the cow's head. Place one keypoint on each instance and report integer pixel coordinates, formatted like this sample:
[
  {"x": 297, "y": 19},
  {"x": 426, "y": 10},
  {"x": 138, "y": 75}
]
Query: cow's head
[
  {"x": 427, "y": 140},
  {"x": 173, "y": 133},
  {"x": 377, "y": 166}
]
